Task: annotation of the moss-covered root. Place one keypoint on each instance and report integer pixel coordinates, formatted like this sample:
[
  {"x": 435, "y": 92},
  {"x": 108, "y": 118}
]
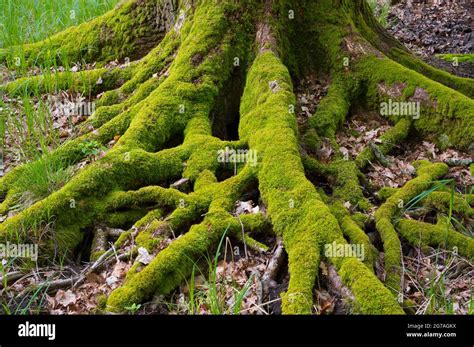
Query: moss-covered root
[
  {"x": 347, "y": 186},
  {"x": 129, "y": 31},
  {"x": 332, "y": 110},
  {"x": 89, "y": 82},
  {"x": 444, "y": 201},
  {"x": 172, "y": 265},
  {"x": 438, "y": 112},
  {"x": 187, "y": 93},
  {"x": 371, "y": 30},
  {"x": 371, "y": 296},
  {"x": 353, "y": 232},
  {"x": 427, "y": 173},
  {"x": 390, "y": 139},
  {"x": 461, "y": 84},
  {"x": 293, "y": 205},
  {"x": 344, "y": 176},
  {"x": 80, "y": 201},
  {"x": 436, "y": 235}
]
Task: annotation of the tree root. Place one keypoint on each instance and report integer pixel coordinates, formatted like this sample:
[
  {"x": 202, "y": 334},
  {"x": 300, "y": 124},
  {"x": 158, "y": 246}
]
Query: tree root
[
  {"x": 427, "y": 173},
  {"x": 127, "y": 32},
  {"x": 160, "y": 112},
  {"x": 439, "y": 235},
  {"x": 390, "y": 139}
]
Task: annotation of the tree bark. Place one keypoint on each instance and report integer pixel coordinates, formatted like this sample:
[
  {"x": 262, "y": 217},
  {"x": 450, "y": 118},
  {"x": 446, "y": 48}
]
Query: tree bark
[{"x": 235, "y": 62}]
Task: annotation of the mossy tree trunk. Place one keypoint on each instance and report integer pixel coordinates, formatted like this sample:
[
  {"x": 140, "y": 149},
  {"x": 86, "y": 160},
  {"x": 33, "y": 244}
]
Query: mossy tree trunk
[{"x": 235, "y": 62}]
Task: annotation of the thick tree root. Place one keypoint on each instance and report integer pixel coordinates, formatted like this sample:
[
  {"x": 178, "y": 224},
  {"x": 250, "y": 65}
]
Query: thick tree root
[
  {"x": 427, "y": 173},
  {"x": 443, "y": 111},
  {"x": 439, "y": 235},
  {"x": 127, "y": 32},
  {"x": 307, "y": 224},
  {"x": 162, "y": 111}
]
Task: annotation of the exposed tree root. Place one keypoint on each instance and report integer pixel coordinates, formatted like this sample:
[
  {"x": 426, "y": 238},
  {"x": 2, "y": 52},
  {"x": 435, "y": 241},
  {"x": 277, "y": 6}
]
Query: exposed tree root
[
  {"x": 161, "y": 111},
  {"x": 427, "y": 173},
  {"x": 425, "y": 234}
]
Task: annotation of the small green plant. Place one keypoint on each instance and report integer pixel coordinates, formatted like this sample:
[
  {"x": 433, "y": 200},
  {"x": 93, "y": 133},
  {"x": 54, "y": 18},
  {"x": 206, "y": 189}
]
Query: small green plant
[
  {"x": 31, "y": 303},
  {"x": 91, "y": 149},
  {"x": 438, "y": 186},
  {"x": 43, "y": 178},
  {"x": 451, "y": 220},
  {"x": 212, "y": 293},
  {"x": 5, "y": 266},
  {"x": 32, "y": 20},
  {"x": 439, "y": 301},
  {"x": 133, "y": 309},
  {"x": 28, "y": 125},
  {"x": 380, "y": 10}
]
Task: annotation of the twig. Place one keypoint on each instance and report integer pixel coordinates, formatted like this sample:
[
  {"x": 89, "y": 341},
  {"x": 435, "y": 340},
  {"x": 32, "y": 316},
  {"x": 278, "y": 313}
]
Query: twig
[
  {"x": 9, "y": 277},
  {"x": 243, "y": 237},
  {"x": 274, "y": 265}
]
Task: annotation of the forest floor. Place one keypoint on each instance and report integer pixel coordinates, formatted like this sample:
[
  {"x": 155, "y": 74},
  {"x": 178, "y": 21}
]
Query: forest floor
[{"x": 437, "y": 281}]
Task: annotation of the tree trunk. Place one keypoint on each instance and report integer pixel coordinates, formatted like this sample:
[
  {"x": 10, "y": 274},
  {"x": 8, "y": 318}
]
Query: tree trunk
[{"x": 209, "y": 75}]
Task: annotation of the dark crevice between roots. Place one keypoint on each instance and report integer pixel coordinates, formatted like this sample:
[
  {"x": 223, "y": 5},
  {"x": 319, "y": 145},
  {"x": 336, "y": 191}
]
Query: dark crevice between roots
[
  {"x": 320, "y": 182},
  {"x": 174, "y": 141},
  {"x": 83, "y": 251},
  {"x": 225, "y": 115}
]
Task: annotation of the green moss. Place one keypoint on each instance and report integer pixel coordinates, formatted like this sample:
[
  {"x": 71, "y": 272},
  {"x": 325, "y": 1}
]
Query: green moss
[
  {"x": 425, "y": 234},
  {"x": 101, "y": 301},
  {"x": 122, "y": 219},
  {"x": 463, "y": 85},
  {"x": 360, "y": 219},
  {"x": 266, "y": 121},
  {"x": 332, "y": 110},
  {"x": 389, "y": 140},
  {"x": 205, "y": 179},
  {"x": 355, "y": 235},
  {"x": 122, "y": 239},
  {"x": 445, "y": 114},
  {"x": 96, "y": 255},
  {"x": 442, "y": 201},
  {"x": 347, "y": 186},
  {"x": 427, "y": 173},
  {"x": 149, "y": 125},
  {"x": 311, "y": 140},
  {"x": 126, "y": 32},
  {"x": 366, "y": 25},
  {"x": 84, "y": 82},
  {"x": 385, "y": 192},
  {"x": 82, "y": 196},
  {"x": 296, "y": 210},
  {"x": 173, "y": 264},
  {"x": 461, "y": 58},
  {"x": 371, "y": 295}
]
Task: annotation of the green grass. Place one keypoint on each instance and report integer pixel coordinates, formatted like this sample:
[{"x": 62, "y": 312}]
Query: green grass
[
  {"x": 24, "y": 21},
  {"x": 42, "y": 178},
  {"x": 212, "y": 293},
  {"x": 460, "y": 58},
  {"x": 27, "y": 131},
  {"x": 30, "y": 128},
  {"x": 439, "y": 185},
  {"x": 451, "y": 220}
]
